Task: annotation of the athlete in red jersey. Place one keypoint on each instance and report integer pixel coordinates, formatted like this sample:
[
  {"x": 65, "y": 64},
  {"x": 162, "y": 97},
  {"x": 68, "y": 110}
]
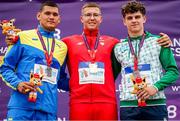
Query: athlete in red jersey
[{"x": 92, "y": 87}]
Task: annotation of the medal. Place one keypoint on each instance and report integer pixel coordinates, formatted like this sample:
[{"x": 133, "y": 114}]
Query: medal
[
  {"x": 93, "y": 68},
  {"x": 49, "y": 71}
]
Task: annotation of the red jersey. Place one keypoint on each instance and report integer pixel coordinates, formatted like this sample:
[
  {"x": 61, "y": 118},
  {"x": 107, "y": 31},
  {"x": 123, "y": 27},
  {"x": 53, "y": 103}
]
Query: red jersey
[{"x": 78, "y": 55}]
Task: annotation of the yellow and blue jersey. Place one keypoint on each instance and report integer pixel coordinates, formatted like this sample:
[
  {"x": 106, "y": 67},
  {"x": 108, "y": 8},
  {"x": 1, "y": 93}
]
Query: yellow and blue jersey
[{"x": 23, "y": 58}]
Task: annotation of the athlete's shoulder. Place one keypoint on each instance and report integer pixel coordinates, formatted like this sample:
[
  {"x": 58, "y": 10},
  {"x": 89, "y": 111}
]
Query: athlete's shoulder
[
  {"x": 26, "y": 32},
  {"x": 72, "y": 38},
  {"x": 61, "y": 43},
  {"x": 152, "y": 36},
  {"x": 121, "y": 43},
  {"x": 27, "y": 35}
]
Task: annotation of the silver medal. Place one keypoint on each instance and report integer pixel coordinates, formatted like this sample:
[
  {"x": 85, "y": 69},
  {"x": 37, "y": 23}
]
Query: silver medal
[{"x": 49, "y": 71}]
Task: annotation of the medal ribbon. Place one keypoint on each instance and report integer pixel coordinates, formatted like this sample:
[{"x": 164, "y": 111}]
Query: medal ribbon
[
  {"x": 132, "y": 50},
  {"x": 47, "y": 56},
  {"x": 92, "y": 52}
]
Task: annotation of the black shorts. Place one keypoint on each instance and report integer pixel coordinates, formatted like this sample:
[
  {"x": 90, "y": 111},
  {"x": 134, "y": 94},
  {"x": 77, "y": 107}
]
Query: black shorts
[{"x": 158, "y": 113}]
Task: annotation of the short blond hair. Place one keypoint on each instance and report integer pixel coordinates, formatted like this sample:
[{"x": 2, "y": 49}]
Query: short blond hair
[{"x": 90, "y": 4}]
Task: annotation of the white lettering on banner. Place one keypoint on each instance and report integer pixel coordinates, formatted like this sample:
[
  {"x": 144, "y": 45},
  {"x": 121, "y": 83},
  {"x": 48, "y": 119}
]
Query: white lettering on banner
[
  {"x": 57, "y": 34},
  {"x": 60, "y": 90},
  {"x": 175, "y": 88},
  {"x": 3, "y": 50},
  {"x": 61, "y": 119},
  {"x": 176, "y": 51},
  {"x": 118, "y": 89},
  {"x": 176, "y": 47},
  {"x": 176, "y": 42},
  {"x": 172, "y": 111}
]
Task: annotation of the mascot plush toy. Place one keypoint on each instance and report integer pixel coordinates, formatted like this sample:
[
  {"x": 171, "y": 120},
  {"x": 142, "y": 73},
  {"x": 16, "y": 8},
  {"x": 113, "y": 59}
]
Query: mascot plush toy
[
  {"x": 139, "y": 84},
  {"x": 9, "y": 28},
  {"x": 36, "y": 81}
]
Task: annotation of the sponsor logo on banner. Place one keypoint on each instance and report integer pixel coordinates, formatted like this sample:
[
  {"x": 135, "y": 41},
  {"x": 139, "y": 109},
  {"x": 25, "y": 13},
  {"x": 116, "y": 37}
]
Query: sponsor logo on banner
[{"x": 176, "y": 47}]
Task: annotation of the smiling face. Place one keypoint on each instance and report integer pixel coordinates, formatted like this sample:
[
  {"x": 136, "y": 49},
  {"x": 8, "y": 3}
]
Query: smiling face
[
  {"x": 134, "y": 23},
  {"x": 49, "y": 18},
  {"x": 91, "y": 18},
  {"x": 133, "y": 13}
]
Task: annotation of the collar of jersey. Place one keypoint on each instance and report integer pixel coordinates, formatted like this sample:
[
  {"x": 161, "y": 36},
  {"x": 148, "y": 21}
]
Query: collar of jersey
[
  {"x": 93, "y": 33},
  {"x": 45, "y": 33}
]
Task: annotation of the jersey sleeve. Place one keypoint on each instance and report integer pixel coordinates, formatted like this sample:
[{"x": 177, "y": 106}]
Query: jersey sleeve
[
  {"x": 63, "y": 82},
  {"x": 9, "y": 64},
  {"x": 171, "y": 70}
]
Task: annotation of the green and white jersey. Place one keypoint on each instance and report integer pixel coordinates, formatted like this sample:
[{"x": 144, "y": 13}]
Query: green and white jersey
[{"x": 151, "y": 61}]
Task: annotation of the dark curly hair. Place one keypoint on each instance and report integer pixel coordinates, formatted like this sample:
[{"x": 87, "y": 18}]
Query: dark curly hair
[{"x": 133, "y": 7}]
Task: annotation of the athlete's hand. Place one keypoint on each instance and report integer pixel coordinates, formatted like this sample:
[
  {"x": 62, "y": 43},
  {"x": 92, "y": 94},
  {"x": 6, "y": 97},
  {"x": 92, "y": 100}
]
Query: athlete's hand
[
  {"x": 142, "y": 94},
  {"x": 147, "y": 92},
  {"x": 23, "y": 86},
  {"x": 164, "y": 40}
]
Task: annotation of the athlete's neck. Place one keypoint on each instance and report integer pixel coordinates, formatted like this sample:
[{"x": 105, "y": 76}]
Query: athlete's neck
[
  {"x": 91, "y": 32},
  {"x": 135, "y": 34},
  {"x": 44, "y": 32}
]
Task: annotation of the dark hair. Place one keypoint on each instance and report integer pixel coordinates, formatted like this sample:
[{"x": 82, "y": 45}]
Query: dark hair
[
  {"x": 90, "y": 4},
  {"x": 133, "y": 7},
  {"x": 48, "y": 3}
]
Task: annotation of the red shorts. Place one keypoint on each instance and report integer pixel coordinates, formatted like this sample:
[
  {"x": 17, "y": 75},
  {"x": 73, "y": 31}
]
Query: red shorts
[{"x": 93, "y": 111}]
